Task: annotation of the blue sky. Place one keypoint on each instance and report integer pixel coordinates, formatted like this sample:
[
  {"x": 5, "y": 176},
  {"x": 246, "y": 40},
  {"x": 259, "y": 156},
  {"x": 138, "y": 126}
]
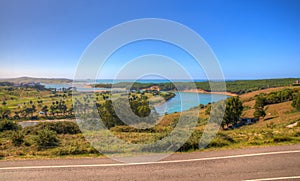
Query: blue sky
[{"x": 252, "y": 39}]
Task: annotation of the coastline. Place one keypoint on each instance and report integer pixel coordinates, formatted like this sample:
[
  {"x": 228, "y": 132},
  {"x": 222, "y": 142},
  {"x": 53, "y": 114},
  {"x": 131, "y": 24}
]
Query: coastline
[{"x": 206, "y": 92}]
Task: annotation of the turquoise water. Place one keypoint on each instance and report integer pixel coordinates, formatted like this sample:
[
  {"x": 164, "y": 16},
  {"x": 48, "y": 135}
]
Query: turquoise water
[
  {"x": 181, "y": 102},
  {"x": 186, "y": 100}
]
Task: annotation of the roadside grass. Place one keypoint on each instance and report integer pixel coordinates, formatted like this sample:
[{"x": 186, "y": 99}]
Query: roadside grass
[{"x": 76, "y": 145}]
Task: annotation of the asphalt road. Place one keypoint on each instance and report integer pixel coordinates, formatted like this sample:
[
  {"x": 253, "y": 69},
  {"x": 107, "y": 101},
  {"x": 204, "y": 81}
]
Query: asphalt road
[{"x": 269, "y": 163}]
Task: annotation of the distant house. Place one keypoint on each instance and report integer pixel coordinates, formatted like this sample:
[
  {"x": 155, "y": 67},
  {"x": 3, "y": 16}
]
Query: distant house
[
  {"x": 152, "y": 88},
  {"x": 296, "y": 83}
]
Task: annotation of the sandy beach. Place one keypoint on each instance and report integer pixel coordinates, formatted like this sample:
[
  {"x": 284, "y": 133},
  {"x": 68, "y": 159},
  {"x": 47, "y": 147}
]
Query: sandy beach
[{"x": 206, "y": 92}]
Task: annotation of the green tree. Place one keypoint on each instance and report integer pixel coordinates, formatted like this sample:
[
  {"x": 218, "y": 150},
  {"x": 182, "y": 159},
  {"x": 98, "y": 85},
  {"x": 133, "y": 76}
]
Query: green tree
[
  {"x": 233, "y": 110},
  {"x": 260, "y": 102},
  {"x": 33, "y": 109},
  {"x": 52, "y": 109},
  {"x": 296, "y": 102},
  {"x": 45, "y": 110}
]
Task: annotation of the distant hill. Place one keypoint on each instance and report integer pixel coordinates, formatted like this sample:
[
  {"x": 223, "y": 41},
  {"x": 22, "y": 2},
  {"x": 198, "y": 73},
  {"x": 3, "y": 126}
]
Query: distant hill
[{"x": 36, "y": 80}]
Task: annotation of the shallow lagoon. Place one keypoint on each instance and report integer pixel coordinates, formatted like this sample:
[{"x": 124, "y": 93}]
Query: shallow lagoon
[{"x": 186, "y": 100}]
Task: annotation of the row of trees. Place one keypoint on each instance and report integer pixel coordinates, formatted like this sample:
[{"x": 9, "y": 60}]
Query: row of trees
[
  {"x": 238, "y": 86},
  {"x": 273, "y": 98},
  {"x": 57, "y": 108}
]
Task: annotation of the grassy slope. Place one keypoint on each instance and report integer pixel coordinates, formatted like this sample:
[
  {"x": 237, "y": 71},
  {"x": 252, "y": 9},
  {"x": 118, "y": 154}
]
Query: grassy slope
[
  {"x": 281, "y": 113},
  {"x": 271, "y": 130}
]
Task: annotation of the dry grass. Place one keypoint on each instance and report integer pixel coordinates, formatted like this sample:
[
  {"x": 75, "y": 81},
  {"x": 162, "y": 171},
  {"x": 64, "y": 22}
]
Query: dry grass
[
  {"x": 248, "y": 96},
  {"x": 281, "y": 113}
]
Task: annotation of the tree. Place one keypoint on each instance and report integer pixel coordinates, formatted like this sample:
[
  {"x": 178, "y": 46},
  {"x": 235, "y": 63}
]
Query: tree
[
  {"x": 52, "y": 109},
  {"x": 296, "y": 102},
  {"x": 16, "y": 116},
  {"x": 259, "y": 107},
  {"x": 33, "y": 109},
  {"x": 45, "y": 110},
  {"x": 233, "y": 110}
]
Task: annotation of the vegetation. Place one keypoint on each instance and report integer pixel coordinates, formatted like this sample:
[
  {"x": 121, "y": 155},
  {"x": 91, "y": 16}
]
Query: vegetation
[
  {"x": 33, "y": 103},
  {"x": 259, "y": 107},
  {"x": 233, "y": 111},
  {"x": 8, "y": 125},
  {"x": 296, "y": 102},
  {"x": 274, "y": 97},
  {"x": 46, "y": 139},
  {"x": 236, "y": 86},
  {"x": 278, "y": 106}
]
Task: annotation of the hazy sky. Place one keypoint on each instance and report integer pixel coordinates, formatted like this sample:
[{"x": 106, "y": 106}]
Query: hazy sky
[{"x": 251, "y": 39}]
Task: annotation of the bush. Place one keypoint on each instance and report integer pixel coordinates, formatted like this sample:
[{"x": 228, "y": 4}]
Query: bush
[
  {"x": 282, "y": 139},
  {"x": 75, "y": 150},
  {"x": 218, "y": 143},
  {"x": 9, "y": 125},
  {"x": 46, "y": 139},
  {"x": 131, "y": 129},
  {"x": 60, "y": 127},
  {"x": 193, "y": 142},
  {"x": 17, "y": 138},
  {"x": 297, "y": 134},
  {"x": 2, "y": 155}
]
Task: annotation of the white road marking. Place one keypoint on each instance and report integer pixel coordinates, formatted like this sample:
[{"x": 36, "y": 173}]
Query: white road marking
[
  {"x": 277, "y": 178},
  {"x": 148, "y": 163}
]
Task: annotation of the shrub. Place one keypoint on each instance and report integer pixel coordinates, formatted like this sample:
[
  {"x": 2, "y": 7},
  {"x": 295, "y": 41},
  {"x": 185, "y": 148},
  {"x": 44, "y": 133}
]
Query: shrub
[
  {"x": 17, "y": 138},
  {"x": 193, "y": 142},
  {"x": 297, "y": 134},
  {"x": 46, "y": 139},
  {"x": 2, "y": 155},
  {"x": 60, "y": 127},
  {"x": 75, "y": 150},
  {"x": 130, "y": 129},
  {"x": 282, "y": 139},
  {"x": 9, "y": 125},
  {"x": 218, "y": 143}
]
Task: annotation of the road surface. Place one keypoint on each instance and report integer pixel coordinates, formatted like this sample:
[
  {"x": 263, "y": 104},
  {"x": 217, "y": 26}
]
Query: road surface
[{"x": 267, "y": 163}]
